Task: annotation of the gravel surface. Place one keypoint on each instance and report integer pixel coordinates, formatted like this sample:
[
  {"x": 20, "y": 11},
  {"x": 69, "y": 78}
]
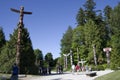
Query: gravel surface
[{"x": 66, "y": 76}]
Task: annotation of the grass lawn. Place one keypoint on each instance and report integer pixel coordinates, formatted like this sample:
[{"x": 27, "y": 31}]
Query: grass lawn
[{"x": 111, "y": 76}]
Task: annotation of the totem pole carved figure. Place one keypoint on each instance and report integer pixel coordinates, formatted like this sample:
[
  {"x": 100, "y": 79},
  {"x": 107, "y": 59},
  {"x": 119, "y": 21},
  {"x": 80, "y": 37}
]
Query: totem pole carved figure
[{"x": 20, "y": 25}]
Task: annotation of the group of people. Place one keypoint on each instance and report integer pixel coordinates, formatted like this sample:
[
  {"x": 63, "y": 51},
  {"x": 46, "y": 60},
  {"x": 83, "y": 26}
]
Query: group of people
[
  {"x": 77, "y": 68},
  {"x": 59, "y": 69},
  {"x": 47, "y": 70},
  {"x": 44, "y": 70}
]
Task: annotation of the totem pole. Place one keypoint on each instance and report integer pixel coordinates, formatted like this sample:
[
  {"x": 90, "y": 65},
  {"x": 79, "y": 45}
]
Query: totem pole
[{"x": 20, "y": 25}]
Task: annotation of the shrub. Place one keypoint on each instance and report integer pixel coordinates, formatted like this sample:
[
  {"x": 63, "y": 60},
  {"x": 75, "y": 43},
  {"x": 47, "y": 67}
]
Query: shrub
[{"x": 100, "y": 67}]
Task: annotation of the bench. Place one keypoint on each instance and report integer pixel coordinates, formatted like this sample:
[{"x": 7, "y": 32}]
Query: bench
[{"x": 91, "y": 74}]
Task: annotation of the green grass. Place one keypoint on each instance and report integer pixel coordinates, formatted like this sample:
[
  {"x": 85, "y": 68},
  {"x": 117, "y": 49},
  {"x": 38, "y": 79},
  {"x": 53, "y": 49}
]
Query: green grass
[{"x": 111, "y": 76}]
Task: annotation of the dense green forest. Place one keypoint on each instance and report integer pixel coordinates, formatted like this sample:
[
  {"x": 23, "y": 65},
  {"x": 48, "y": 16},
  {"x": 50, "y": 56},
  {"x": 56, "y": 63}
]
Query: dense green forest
[
  {"x": 95, "y": 30},
  {"x": 30, "y": 59}
]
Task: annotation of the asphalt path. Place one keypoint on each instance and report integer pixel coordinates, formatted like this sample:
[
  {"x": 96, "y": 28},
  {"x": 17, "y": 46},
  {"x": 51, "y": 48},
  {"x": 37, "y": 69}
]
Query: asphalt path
[{"x": 66, "y": 76}]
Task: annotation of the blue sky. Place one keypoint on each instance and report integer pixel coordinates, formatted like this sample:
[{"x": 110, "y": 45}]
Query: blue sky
[{"x": 49, "y": 21}]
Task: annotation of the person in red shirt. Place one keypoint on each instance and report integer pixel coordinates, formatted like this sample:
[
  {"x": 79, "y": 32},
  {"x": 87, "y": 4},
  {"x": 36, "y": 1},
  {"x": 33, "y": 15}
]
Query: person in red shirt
[{"x": 77, "y": 67}]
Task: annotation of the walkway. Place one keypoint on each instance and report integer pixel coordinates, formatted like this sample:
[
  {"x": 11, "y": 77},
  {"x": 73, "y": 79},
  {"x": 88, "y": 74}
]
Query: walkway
[{"x": 66, "y": 76}]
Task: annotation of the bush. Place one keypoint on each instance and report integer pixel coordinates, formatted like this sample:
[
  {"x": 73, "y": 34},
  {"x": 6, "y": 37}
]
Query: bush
[
  {"x": 94, "y": 68},
  {"x": 105, "y": 66},
  {"x": 100, "y": 67}
]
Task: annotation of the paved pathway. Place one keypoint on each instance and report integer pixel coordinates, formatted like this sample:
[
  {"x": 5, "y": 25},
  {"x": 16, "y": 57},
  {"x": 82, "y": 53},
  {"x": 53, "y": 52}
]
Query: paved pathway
[{"x": 67, "y": 76}]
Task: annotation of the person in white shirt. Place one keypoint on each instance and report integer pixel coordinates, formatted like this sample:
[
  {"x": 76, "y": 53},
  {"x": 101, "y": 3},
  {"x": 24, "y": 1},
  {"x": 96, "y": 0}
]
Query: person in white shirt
[{"x": 73, "y": 68}]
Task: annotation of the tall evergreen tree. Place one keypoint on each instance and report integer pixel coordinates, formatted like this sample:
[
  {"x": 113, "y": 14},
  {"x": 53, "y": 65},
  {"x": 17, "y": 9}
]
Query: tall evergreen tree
[
  {"x": 80, "y": 17},
  {"x": 107, "y": 13},
  {"x": 27, "y": 56},
  {"x": 39, "y": 57},
  {"x": 90, "y": 13},
  {"x": 93, "y": 36},
  {"x": 49, "y": 59},
  {"x": 78, "y": 44},
  {"x": 66, "y": 41},
  {"x": 2, "y": 38},
  {"x": 95, "y": 25},
  {"x": 115, "y": 40},
  {"x": 7, "y": 57}
]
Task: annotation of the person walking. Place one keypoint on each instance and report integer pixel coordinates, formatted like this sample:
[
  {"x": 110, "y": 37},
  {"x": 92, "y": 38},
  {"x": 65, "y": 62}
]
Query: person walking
[
  {"x": 73, "y": 69},
  {"x": 77, "y": 67},
  {"x": 14, "y": 75}
]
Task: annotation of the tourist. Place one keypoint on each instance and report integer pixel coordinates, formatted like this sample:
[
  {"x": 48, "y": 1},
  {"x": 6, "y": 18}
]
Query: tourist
[
  {"x": 73, "y": 68},
  {"x": 77, "y": 68},
  {"x": 14, "y": 75},
  {"x": 58, "y": 68}
]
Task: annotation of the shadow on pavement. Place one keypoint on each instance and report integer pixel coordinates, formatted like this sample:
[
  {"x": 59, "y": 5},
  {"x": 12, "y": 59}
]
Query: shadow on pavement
[{"x": 53, "y": 74}]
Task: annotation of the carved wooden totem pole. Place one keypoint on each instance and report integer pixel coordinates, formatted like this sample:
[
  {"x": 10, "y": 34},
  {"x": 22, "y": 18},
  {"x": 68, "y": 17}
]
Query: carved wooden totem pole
[{"x": 20, "y": 25}]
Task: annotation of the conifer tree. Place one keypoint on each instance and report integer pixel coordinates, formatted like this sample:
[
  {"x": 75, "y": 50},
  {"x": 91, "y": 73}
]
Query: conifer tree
[
  {"x": 49, "y": 59},
  {"x": 93, "y": 36},
  {"x": 90, "y": 13},
  {"x": 2, "y": 38},
  {"x": 115, "y": 39},
  {"x": 78, "y": 44},
  {"x": 39, "y": 57},
  {"x": 107, "y": 14},
  {"x": 66, "y": 41},
  {"x": 27, "y": 56},
  {"x": 66, "y": 44},
  {"x": 80, "y": 17}
]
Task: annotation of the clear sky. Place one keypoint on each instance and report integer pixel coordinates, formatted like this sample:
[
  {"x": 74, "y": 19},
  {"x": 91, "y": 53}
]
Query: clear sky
[{"x": 49, "y": 21}]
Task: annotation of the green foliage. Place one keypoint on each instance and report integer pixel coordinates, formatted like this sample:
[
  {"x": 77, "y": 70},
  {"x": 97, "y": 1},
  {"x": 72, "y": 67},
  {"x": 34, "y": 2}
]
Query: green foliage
[
  {"x": 39, "y": 57},
  {"x": 89, "y": 10},
  {"x": 91, "y": 30},
  {"x": 87, "y": 13},
  {"x": 100, "y": 67},
  {"x": 27, "y": 61},
  {"x": 115, "y": 39},
  {"x": 49, "y": 59},
  {"x": 27, "y": 57},
  {"x": 107, "y": 13},
  {"x": 2, "y": 38},
  {"x": 80, "y": 17},
  {"x": 7, "y": 57},
  {"x": 93, "y": 36},
  {"x": 97, "y": 68},
  {"x": 78, "y": 43},
  {"x": 66, "y": 42}
]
